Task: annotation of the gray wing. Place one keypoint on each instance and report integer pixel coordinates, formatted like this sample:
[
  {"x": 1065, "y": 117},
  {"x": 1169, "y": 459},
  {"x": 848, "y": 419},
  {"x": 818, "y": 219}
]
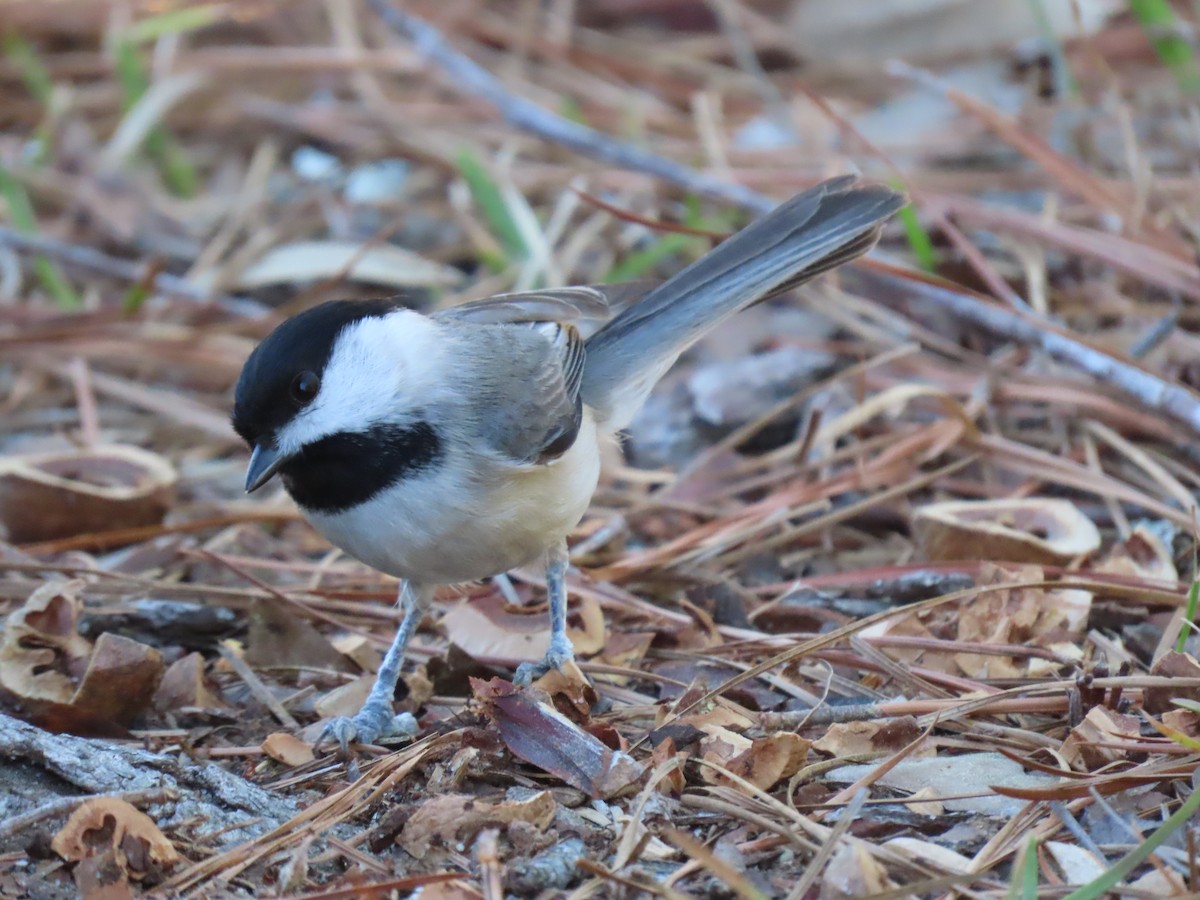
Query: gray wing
[
  {"x": 520, "y": 398},
  {"x": 529, "y": 406},
  {"x": 587, "y": 307}
]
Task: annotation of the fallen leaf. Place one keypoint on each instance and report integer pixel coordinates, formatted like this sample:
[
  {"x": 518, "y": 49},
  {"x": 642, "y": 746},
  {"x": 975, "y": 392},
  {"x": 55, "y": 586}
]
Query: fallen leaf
[
  {"x": 48, "y": 496},
  {"x": 110, "y": 823},
  {"x": 769, "y": 760},
  {"x": 455, "y": 819},
  {"x": 41, "y": 654},
  {"x": 278, "y": 637},
  {"x": 852, "y": 871},
  {"x": 487, "y": 627},
  {"x": 542, "y": 736},
  {"x": 1085, "y": 750},
  {"x": 383, "y": 264},
  {"x": 185, "y": 686},
  {"x": 1171, "y": 665},
  {"x": 120, "y": 680},
  {"x": 345, "y": 699},
  {"x": 1030, "y": 529},
  {"x": 844, "y": 739},
  {"x": 287, "y": 749}
]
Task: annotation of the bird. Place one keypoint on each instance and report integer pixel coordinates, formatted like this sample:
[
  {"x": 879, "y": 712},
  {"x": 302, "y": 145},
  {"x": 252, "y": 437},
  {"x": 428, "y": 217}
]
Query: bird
[{"x": 452, "y": 447}]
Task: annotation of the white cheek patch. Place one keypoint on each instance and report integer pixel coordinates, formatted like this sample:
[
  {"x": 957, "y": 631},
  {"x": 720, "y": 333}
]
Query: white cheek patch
[{"x": 382, "y": 369}]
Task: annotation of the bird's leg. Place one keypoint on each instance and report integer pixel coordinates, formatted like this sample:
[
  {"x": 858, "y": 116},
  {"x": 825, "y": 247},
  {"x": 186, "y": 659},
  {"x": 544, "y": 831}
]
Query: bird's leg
[
  {"x": 560, "y": 652},
  {"x": 377, "y": 718}
]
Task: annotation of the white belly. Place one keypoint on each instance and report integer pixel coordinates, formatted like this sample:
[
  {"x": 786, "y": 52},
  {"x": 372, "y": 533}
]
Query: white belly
[{"x": 439, "y": 529}]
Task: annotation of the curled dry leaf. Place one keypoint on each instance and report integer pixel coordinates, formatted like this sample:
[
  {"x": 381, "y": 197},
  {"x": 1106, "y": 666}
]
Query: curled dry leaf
[
  {"x": 1089, "y": 746},
  {"x": 110, "y": 822},
  {"x": 1171, "y": 665},
  {"x": 844, "y": 739},
  {"x": 41, "y": 654},
  {"x": 345, "y": 699},
  {"x": 384, "y": 264},
  {"x": 1143, "y": 554},
  {"x": 488, "y": 627},
  {"x": 1033, "y": 529},
  {"x": 763, "y": 762},
  {"x": 542, "y": 736},
  {"x": 47, "y": 496},
  {"x": 456, "y": 818},
  {"x": 120, "y": 680},
  {"x": 185, "y": 686},
  {"x": 288, "y": 749},
  {"x": 853, "y": 871}
]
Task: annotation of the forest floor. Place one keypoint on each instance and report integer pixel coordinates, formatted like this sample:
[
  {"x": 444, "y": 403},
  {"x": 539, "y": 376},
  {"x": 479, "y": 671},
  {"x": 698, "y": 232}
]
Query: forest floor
[{"x": 887, "y": 594}]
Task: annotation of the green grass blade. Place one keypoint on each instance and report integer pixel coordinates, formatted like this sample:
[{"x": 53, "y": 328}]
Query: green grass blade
[
  {"x": 176, "y": 170},
  {"x": 20, "y": 212},
  {"x": 175, "y": 21},
  {"x": 1189, "y": 615},
  {"x": 1024, "y": 884},
  {"x": 490, "y": 200},
  {"x": 1158, "y": 21},
  {"x": 638, "y": 264},
  {"x": 34, "y": 73},
  {"x": 1102, "y": 886},
  {"x": 918, "y": 238}
]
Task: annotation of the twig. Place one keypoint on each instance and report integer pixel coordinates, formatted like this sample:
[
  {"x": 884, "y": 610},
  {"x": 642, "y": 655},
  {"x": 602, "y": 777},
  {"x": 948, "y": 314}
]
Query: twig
[
  {"x": 91, "y": 260},
  {"x": 1149, "y": 390},
  {"x": 260, "y": 691},
  {"x": 470, "y": 77}
]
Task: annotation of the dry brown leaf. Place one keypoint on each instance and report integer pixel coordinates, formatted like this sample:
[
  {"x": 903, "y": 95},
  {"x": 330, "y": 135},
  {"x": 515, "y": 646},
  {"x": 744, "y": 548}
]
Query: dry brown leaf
[
  {"x": 487, "y": 627},
  {"x": 769, "y": 760},
  {"x": 843, "y": 739},
  {"x": 185, "y": 686},
  {"x": 120, "y": 680},
  {"x": 288, "y": 749},
  {"x": 455, "y": 819},
  {"x": 280, "y": 637},
  {"x": 46, "y": 496},
  {"x": 111, "y": 823},
  {"x": 41, "y": 653},
  {"x": 852, "y": 871},
  {"x": 1032, "y": 529},
  {"x": 1142, "y": 555},
  {"x": 544, "y": 737},
  {"x": 1083, "y": 749},
  {"x": 1171, "y": 665},
  {"x": 345, "y": 699}
]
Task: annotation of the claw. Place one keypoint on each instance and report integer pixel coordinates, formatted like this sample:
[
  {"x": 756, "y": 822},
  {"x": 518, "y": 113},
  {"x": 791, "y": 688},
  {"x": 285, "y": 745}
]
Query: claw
[
  {"x": 372, "y": 722},
  {"x": 556, "y": 657}
]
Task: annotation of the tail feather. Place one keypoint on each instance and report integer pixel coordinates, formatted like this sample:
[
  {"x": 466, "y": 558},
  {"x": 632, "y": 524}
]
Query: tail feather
[{"x": 811, "y": 233}]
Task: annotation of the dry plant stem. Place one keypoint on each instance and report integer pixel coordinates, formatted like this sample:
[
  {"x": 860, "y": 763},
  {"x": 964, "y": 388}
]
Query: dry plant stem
[
  {"x": 91, "y": 260},
  {"x": 472, "y": 78},
  {"x": 1173, "y": 400}
]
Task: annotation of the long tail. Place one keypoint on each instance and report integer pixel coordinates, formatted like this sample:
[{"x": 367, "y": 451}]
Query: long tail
[{"x": 811, "y": 233}]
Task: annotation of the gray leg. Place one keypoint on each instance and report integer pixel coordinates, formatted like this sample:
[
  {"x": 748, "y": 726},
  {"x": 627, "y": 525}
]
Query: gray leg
[
  {"x": 560, "y": 652},
  {"x": 377, "y": 719}
]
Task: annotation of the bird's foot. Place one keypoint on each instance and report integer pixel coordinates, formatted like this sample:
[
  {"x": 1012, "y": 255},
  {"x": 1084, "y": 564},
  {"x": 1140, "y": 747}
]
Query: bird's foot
[
  {"x": 557, "y": 655},
  {"x": 372, "y": 722}
]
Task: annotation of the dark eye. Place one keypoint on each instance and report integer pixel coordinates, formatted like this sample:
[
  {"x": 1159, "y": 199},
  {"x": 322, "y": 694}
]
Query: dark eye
[{"x": 305, "y": 387}]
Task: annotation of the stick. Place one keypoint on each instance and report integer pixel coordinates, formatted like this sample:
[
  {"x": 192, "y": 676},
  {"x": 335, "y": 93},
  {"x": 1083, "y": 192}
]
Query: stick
[
  {"x": 470, "y": 77},
  {"x": 91, "y": 260}
]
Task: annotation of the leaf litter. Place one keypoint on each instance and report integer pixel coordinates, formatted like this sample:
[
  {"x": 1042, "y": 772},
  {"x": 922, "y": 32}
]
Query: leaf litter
[{"x": 888, "y": 586}]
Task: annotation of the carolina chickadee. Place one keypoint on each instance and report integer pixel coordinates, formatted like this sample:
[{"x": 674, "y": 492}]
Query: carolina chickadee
[{"x": 449, "y": 448}]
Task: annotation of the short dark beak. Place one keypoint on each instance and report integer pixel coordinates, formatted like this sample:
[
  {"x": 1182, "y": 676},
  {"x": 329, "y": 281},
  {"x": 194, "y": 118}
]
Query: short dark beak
[{"x": 264, "y": 463}]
